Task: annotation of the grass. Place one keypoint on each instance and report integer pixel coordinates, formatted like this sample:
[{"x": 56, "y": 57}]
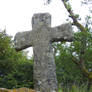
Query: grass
[{"x": 75, "y": 88}]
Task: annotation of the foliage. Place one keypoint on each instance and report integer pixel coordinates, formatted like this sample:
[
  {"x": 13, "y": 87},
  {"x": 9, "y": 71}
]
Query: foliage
[
  {"x": 67, "y": 71},
  {"x": 87, "y": 2},
  {"x": 75, "y": 88},
  {"x": 15, "y": 69}
]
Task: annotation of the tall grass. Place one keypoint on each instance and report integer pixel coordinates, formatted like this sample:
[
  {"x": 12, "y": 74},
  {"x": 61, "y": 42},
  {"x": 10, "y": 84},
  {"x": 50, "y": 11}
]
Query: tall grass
[{"x": 74, "y": 88}]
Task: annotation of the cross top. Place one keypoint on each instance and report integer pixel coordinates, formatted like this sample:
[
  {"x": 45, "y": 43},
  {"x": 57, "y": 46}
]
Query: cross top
[{"x": 41, "y": 19}]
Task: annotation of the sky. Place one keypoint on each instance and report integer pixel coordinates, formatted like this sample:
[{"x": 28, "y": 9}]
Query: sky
[{"x": 15, "y": 15}]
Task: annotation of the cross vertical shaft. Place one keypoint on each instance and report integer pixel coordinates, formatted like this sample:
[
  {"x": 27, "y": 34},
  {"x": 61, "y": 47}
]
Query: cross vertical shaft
[{"x": 44, "y": 64}]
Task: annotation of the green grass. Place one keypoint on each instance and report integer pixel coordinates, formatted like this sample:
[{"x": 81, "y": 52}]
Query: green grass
[
  {"x": 60, "y": 90},
  {"x": 75, "y": 88}
]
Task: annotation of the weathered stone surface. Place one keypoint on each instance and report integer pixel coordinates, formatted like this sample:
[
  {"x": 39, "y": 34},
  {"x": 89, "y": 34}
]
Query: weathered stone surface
[
  {"x": 41, "y": 38},
  {"x": 22, "y": 90}
]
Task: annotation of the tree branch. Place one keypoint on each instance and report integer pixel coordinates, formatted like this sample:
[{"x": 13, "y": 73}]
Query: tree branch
[
  {"x": 72, "y": 15},
  {"x": 81, "y": 66}
]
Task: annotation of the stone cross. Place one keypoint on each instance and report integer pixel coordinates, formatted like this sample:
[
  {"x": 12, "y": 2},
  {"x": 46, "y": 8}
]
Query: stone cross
[{"x": 41, "y": 38}]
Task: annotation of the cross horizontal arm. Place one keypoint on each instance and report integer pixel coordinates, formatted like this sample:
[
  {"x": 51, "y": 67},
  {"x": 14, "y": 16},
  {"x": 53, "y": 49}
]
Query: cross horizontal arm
[
  {"x": 62, "y": 33},
  {"x": 22, "y": 40}
]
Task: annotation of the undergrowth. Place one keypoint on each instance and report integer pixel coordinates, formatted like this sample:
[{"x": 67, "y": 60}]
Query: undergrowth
[{"x": 74, "y": 88}]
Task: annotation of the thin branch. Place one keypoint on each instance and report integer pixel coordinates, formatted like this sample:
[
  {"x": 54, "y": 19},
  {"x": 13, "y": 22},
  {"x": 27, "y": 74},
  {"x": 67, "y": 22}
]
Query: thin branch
[
  {"x": 81, "y": 66},
  {"x": 72, "y": 15},
  {"x": 75, "y": 60}
]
